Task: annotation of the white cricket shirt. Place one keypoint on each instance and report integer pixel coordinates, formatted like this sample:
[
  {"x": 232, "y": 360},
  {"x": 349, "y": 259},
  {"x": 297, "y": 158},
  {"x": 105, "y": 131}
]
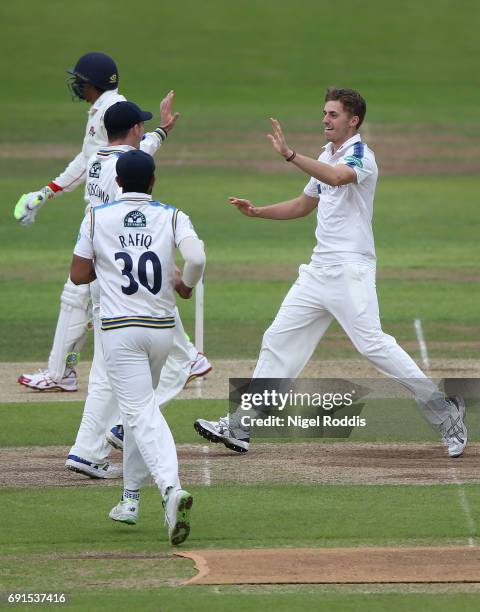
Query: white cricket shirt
[
  {"x": 100, "y": 184},
  {"x": 344, "y": 216},
  {"x": 133, "y": 242},
  {"x": 96, "y": 137}
]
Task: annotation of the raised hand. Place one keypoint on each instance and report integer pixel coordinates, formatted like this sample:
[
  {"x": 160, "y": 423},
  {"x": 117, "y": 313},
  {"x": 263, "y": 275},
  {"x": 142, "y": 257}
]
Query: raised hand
[
  {"x": 278, "y": 139},
  {"x": 244, "y": 206},
  {"x": 167, "y": 117}
]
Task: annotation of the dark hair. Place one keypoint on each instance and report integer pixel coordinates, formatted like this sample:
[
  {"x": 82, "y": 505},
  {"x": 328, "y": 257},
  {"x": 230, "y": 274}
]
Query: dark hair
[
  {"x": 135, "y": 170},
  {"x": 138, "y": 184},
  {"x": 351, "y": 100},
  {"x": 117, "y": 135}
]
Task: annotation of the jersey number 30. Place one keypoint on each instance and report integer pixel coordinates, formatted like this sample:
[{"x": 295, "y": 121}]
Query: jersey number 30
[{"x": 132, "y": 287}]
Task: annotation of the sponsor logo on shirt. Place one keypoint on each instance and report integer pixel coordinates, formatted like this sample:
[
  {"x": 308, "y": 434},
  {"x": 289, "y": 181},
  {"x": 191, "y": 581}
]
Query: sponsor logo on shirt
[
  {"x": 91, "y": 131},
  {"x": 135, "y": 218},
  {"x": 354, "y": 160}
]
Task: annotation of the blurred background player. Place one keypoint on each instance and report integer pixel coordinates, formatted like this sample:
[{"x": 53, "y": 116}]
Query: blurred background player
[
  {"x": 133, "y": 244},
  {"x": 95, "y": 80},
  {"x": 339, "y": 281},
  {"x": 124, "y": 122}
]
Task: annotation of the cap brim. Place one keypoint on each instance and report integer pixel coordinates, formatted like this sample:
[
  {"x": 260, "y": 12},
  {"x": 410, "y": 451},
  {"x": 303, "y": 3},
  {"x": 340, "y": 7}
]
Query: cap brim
[{"x": 146, "y": 116}]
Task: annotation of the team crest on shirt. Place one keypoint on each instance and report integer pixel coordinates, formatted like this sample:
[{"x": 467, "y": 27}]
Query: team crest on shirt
[
  {"x": 135, "y": 218},
  {"x": 94, "y": 171}
]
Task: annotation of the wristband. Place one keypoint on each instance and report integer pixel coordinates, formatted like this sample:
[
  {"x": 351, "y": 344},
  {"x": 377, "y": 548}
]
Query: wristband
[
  {"x": 54, "y": 187},
  {"x": 162, "y": 133},
  {"x": 292, "y": 156}
]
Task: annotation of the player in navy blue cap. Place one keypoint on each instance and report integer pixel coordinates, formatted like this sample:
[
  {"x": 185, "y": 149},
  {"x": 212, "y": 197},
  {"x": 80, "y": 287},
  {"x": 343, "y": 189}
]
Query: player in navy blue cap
[
  {"x": 129, "y": 247},
  {"x": 125, "y": 124},
  {"x": 136, "y": 171},
  {"x": 93, "y": 70},
  {"x": 95, "y": 80},
  {"x": 121, "y": 116}
]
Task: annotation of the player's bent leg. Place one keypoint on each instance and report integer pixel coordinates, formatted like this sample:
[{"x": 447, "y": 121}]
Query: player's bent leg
[
  {"x": 135, "y": 471},
  {"x": 129, "y": 369},
  {"x": 134, "y": 361},
  {"x": 100, "y": 412},
  {"x": 446, "y": 415},
  {"x": 176, "y": 370},
  {"x": 358, "y": 314},
  {"x": 287, "y": 346},
  {"x": 184, "y": 364},
  {"x": 297, "y": 329},
  {"x": 72, "y": 327}
]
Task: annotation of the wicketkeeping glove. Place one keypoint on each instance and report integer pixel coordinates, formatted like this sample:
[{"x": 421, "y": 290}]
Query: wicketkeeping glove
[{"x": 29, "y": 204}]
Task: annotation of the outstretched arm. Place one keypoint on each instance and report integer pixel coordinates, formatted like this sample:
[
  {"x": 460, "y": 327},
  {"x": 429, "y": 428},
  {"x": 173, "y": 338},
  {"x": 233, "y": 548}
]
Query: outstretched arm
[
  {"x": 300, "y": 206},
  {"x": 331, "y": 175},
  {"x": 30, "y": 203}
]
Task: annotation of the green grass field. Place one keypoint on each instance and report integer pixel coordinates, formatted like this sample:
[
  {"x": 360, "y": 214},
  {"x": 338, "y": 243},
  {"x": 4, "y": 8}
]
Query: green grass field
[
  {"x": 233, "y": 65},
  {"x": 60, "y": 540}
]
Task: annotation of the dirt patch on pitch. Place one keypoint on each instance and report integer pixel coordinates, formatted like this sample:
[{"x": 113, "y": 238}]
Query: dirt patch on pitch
[
  {"x": 336, "y": 565},
  {"x": 400, "y": 150},
  {"x": 215, "y": 385},
  {"x": 289, "y": 272},
  {"x": 305, "y": 463}
]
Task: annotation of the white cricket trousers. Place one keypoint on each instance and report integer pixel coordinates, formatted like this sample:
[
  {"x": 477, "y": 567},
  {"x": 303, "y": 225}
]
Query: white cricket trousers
[
  {"x": 347, "y": 293},
  {"x": 134, "y": 357},
  {"x": 101, "y": 412}
]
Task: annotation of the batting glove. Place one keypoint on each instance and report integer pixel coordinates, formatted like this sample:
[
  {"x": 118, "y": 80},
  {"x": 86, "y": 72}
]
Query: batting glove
[{"x": 29, "y": 204}]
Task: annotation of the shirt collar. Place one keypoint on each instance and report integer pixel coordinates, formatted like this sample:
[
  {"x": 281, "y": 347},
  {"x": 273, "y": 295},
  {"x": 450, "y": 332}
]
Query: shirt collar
[
  {"x": 101, "y": 100},
  {"x": 119, "y": 147},
  {"x": 329, "y": 146},
  {"x": 134, "y": 195}
]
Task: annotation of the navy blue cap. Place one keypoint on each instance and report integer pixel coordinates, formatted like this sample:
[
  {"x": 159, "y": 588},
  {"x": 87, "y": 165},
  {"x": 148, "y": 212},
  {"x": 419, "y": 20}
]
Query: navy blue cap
[
  {"x": 122, "y": 116},
  {"x": 96, "y": 68},
  {"x": 135, "y": 168}
]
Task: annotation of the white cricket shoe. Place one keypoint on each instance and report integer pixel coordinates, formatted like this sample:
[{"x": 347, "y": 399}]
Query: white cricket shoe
[
  {"x": 219, "y": 431},
  {"x": 126, "y": 511},
  {"x": 200, "y": 367},
  {"x": 454, "y": 430},
  {"x": 41, "y": 381},
  {"x": 93, "y": 470},
  {"x": 177, "y": 504}
]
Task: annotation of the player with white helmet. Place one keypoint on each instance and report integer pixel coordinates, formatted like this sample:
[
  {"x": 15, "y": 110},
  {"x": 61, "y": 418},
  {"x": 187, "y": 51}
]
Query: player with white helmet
[
  {"x": 95, "y": 80},
  {"x": 124, "y": 122},
  {"x": 339, "y": 281},
  {"x": 132, "y": 242}
]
